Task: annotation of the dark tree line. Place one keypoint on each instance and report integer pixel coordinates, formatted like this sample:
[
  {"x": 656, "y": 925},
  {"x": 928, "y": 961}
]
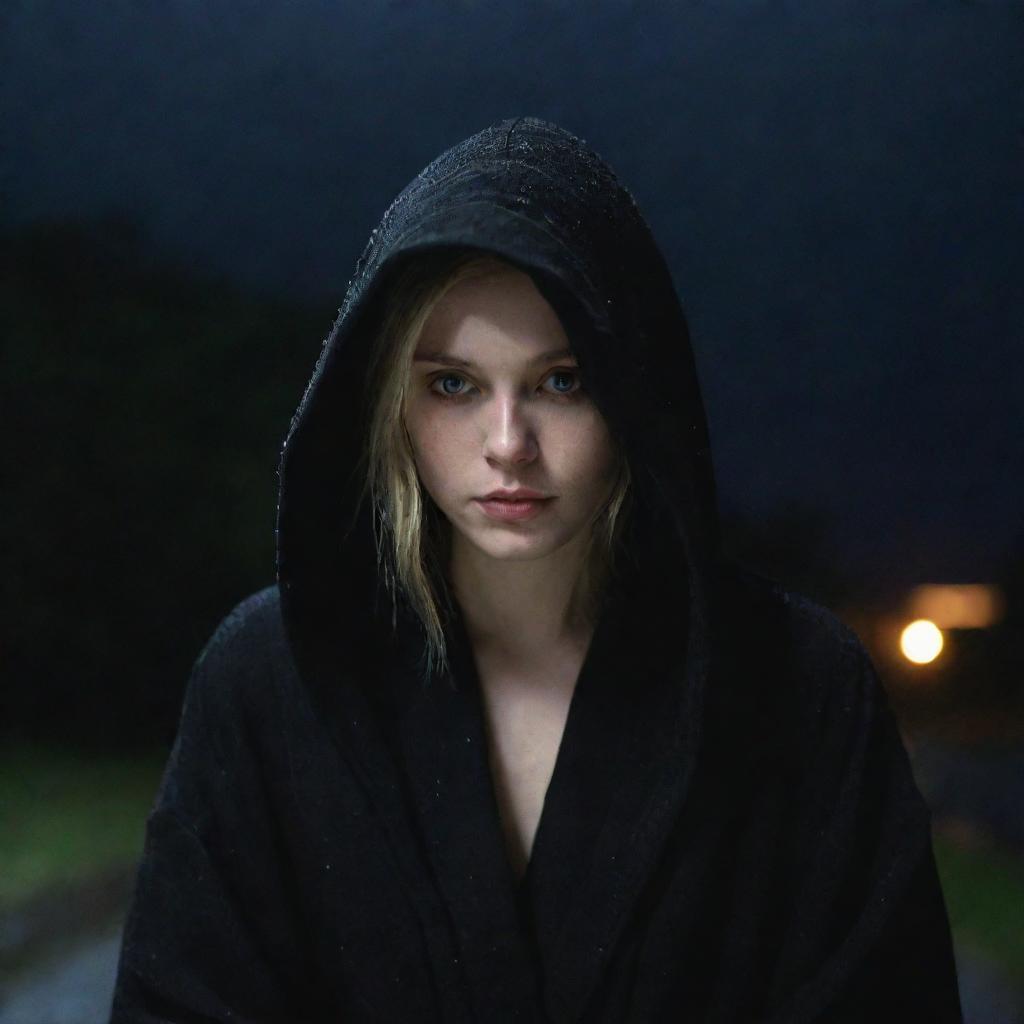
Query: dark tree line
[{"x": 143, "y": 408}]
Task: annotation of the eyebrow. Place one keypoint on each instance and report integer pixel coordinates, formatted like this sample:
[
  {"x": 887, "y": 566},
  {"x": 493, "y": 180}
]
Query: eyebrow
[{"x": 446, "y": 359}]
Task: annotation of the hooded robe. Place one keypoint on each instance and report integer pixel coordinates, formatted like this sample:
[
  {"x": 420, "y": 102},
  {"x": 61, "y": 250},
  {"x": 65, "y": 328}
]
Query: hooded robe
[{"x": 731, "y": 833}]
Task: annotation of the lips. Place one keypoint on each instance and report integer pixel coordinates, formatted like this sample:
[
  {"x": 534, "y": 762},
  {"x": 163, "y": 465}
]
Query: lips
[
  {"x": 519, "y": 494},
  {"x": 513, "y": 511}
]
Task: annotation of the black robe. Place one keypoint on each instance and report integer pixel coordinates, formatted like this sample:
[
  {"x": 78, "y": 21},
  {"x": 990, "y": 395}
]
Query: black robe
[{"x": 732, "y": 831}]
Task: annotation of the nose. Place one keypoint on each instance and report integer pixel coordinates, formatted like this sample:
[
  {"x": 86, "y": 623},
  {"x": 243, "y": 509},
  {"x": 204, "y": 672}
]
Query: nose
[{"x": 509, "y": 436}]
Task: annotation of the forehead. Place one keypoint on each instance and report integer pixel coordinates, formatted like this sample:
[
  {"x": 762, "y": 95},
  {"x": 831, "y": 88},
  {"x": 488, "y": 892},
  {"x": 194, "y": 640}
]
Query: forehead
[{"x": 501, "y": 313}]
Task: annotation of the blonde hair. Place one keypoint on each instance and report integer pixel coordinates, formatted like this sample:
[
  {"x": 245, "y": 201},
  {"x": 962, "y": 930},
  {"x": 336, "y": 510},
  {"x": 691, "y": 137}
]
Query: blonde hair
[{"x": 412, "y": 537}]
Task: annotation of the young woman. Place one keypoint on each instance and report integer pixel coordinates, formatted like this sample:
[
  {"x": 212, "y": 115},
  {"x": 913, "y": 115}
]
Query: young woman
[{"x": 511, "y": 738}]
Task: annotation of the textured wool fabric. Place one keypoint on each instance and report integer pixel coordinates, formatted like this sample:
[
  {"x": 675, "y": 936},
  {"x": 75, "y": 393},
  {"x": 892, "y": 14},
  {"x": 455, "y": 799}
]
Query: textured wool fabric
[{"x": 732, "y": 832}]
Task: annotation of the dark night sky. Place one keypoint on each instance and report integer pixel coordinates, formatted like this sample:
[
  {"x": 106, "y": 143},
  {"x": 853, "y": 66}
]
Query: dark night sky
[{"x": 838, "y": 188}]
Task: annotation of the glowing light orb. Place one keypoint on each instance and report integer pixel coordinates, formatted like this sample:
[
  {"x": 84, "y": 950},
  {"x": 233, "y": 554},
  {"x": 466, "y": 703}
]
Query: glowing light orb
[{"x": 921, "y": 641}]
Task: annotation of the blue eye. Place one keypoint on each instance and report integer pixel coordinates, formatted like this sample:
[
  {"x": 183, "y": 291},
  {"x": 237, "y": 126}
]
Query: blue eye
[
  {"x": 439, "y": 385},
  {"x": 444, "y": 391},
  {"x": 571, "y": 377}
]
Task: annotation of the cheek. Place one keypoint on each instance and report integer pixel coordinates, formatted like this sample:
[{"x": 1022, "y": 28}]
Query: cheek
[
  {"x": 588, "y": 454},
  {"x": 436, "y": 446}
]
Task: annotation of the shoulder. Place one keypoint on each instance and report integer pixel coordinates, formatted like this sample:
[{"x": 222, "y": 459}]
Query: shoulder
[
  {"x": 800, "y": 646},
  {"x": 251, "y": 630},
  {"x": 242, "y": 666},
  {"x": 803, "y": 624},
  {"x": 227, "y": 700}
]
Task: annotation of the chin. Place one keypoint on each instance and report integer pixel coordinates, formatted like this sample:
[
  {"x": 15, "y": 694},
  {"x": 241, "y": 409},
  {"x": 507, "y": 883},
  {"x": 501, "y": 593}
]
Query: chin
[
  {"x": 512, "y": 544},
  {"x": 512, "y": 549}
]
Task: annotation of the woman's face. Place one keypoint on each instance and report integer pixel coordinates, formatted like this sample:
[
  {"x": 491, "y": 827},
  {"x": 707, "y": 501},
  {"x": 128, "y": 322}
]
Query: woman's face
[{"x": 495, "y": 403}]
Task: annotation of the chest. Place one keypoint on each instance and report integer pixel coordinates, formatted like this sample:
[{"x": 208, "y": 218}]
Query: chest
[
  {"x": 525, "y": 721},
  {"x": 399, "y": 862}
]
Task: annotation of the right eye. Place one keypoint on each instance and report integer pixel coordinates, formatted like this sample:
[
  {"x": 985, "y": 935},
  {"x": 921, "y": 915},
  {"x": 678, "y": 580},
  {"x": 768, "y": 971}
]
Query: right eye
[{"x": 444, "y": 392}]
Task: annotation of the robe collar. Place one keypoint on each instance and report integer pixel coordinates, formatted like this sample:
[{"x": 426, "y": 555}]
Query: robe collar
[{"x": 621, "y": 775}]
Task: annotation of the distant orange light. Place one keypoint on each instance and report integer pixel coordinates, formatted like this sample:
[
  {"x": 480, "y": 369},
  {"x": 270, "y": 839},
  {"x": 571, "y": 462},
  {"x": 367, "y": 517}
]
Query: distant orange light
[
  {"x": 921, "y": 641},
  {"x": 957, "y": 605}
]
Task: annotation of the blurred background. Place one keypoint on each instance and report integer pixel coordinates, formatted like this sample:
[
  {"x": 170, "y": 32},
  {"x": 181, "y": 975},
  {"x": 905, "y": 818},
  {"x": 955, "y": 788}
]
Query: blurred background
[{"x": 184, "y": 190}]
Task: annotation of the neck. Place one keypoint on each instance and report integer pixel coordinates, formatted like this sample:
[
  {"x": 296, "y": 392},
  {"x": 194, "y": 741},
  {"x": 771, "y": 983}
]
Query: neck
[{"x": 519, "y": 610}]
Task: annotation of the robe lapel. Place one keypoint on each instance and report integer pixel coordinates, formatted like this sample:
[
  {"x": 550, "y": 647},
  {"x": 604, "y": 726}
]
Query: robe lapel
[
  {"x": 619, "y": 783},
  {"x": 619, "y": 780},
  {"x": 443, "y": 743},
  {"x": 615, "y": 791}
]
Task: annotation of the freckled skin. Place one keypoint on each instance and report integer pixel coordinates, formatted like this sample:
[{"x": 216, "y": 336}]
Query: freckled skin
[{"x": 511, "y": 425}]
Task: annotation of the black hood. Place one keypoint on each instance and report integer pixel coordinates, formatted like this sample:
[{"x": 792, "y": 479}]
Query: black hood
[{"x": 532, "y": 193}]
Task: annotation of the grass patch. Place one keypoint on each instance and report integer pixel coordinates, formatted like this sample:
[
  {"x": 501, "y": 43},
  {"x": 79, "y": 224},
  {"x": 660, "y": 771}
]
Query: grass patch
[
  {"x": 65, "y": 816},
  {"x": 984, "y": 891}
]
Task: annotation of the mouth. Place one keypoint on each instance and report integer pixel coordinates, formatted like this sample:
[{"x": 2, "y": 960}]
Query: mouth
[
  {"x": 518, "y": 494},
  {"x": 513, "y": 510}
]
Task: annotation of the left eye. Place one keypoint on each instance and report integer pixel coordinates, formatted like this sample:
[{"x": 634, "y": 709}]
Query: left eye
[{"x": 564, "y": 375}]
